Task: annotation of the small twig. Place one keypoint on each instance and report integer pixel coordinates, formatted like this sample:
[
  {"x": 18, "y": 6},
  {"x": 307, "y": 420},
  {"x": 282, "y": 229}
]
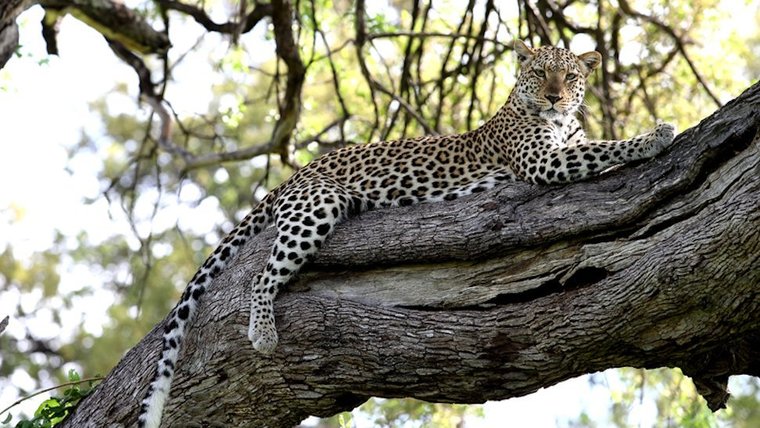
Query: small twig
[
  {"x": 306, "y": 141},
  {"x": 440, "y": 86},
  {"x": 151, "y": 96},
  {"x": 237, "y": 155},
  {"x": 422, "y": 35}
]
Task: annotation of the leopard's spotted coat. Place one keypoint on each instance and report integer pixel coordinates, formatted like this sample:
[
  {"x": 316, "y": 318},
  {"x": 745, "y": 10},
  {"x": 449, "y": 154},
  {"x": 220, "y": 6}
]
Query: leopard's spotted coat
[{"x": 534, "y": 137}]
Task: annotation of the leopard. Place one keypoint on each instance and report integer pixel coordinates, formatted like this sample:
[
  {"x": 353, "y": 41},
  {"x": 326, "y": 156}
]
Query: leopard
[{"x": 534, "y": 137}]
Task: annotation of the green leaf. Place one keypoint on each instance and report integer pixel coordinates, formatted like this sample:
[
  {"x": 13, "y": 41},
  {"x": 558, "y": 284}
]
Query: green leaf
[
  {"x": 7, "y": 418},
  {"x": 46, "y": 406}
]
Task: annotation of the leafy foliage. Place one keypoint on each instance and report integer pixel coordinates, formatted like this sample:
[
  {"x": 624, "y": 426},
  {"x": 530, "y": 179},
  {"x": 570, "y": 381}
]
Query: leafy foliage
[{"x": 54, "y": 410}]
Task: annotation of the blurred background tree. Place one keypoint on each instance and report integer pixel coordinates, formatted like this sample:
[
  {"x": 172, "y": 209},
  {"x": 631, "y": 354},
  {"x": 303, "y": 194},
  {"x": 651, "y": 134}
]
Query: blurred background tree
[{"x": 199, "y": 131}]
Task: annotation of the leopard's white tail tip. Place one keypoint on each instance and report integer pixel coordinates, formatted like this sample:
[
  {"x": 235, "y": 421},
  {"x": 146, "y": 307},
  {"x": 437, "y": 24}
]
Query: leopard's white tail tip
[{"x": 152, "y": 406}]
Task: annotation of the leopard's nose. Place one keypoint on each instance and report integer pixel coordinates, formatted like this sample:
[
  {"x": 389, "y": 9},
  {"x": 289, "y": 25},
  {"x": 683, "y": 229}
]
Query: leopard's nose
[{"x": 552, "y": 98}]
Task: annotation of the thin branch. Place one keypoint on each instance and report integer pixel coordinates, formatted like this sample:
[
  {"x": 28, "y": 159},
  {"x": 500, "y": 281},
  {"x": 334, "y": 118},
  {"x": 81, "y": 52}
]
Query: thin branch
[
  {"x": 52, "y": 388},
  {"x": 405, "y": 76},
  {"x": 149, "y": 94},
  {"x": 406, "y": 106},
  {"x": 316, "y": 137},
  {"x": 196, "y": 162},
  {"x": 335, "y": 78},
  {"x": 359, "y": 42},
  {"x": 201, "y": 17},
  {"x": 604, "y": 91},
  {"x": 432, "y": 34},
  {"x": 289, "y": 110},
  {"x": 626, "y": 8},
  {"x": 440, "y": 85}
]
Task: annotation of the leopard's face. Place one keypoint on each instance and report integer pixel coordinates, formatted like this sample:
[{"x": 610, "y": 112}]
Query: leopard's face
[{"x": 552, "y": 81}]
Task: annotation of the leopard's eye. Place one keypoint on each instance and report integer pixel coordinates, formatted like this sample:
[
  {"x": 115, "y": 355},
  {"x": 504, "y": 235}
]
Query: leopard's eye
[
  {"x": 540, "y": 73},
  {"x": 571, "y": 77}
]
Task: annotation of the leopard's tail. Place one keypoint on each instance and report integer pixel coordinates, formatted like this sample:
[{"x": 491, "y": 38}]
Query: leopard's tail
[{"x": 180, "y": 317}]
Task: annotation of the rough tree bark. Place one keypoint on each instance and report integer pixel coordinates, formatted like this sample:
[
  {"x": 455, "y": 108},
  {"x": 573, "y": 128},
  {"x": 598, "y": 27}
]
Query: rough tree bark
[
  {"x": 491, "y": 296},
  {"x": 9, "y": 11}
]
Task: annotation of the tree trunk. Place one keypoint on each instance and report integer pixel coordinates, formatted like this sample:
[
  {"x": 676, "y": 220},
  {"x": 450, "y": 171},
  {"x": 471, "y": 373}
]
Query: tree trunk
[
  {"x": 9, "y": 11},
  {"x": 490, "y": 297}
]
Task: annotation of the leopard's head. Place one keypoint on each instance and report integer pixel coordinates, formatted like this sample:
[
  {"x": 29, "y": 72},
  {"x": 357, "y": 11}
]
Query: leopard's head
[{"x": 552, "y": 81}]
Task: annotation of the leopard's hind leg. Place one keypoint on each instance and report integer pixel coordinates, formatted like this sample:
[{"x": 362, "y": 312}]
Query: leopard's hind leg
[{"x": 304, "y": 216}]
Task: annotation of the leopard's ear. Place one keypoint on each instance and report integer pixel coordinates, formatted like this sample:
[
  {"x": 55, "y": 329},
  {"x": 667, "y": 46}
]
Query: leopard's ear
[
  {"x": 524, "y": 53},
  {"x": 590, "y": 60}
]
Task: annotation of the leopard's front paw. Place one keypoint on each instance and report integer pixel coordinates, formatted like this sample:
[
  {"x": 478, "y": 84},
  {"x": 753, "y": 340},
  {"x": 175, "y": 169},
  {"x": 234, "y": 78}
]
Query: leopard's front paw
[{"x": 663, "y": 135}]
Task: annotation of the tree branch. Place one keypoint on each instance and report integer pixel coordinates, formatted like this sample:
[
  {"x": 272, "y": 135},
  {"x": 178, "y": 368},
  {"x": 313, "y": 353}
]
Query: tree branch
[
  {"x": 626, "y": 8},
  {"x": 491, "y": 296},
  {"x": 151, "y": 96},
  {"x": 116, "y": 22},
  {"x": 199, "y": 15},
  {"x": 9, "y": 10},
  {"x": 287, "y": 50},
  {"x": 429, "y": 34},
  {"x": 361, "y": 38}
]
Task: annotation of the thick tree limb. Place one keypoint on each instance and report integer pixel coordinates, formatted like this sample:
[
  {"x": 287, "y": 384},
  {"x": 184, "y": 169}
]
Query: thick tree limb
[
  {"x": 9, "y": 11},
  {"x": 116, "y": 22},
  {"x": 492, "y": 296},
  {"x": 287, "y": 50}
]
